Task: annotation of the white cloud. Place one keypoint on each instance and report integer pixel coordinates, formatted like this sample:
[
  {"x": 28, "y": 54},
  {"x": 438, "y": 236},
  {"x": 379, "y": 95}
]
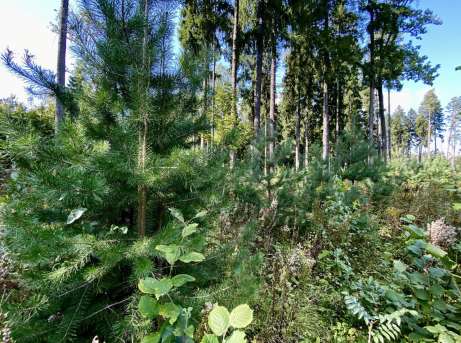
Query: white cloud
[{"x": 408, "y": 98}]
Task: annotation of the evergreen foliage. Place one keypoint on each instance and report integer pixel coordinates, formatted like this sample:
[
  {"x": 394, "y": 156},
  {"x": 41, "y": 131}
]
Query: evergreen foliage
[{"x": 191, "y": 194}]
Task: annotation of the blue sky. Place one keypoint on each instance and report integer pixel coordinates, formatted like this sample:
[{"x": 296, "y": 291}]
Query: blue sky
[
  {"x": 442, "y": 45},
  {"x": 25, "y": 24}
]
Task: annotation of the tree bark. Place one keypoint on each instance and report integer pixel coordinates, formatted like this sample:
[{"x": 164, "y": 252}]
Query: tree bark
[
  {"x": 306, "y": 127},
  {"x": 272, "y": 106},
  {"x": 429, "y": 129},
  {"x": 325, "y": 124},
  {"x": 453, "y": 158},
  {"x": 339, "y": 113},
  {"x": 382, "y": 120},
  {"x": 298, "y": 135},
  {"x": 234, "y": 67},
  {"x": 326, "y": 114},
  {"x": 306, "y": 147},
  {"x": 389, "y": 142},
  {"x": 451, "y": 140},
  {"x": 259, "y": 68},
  {"x": 235, "y": 56},
  {"x": 205, "y": 102},
  {"x": 371, "y": 76},
  {"x": 143, "y": 89},
  {"x": 213, "y": 90},
  {"x": 61, "y": 67}
]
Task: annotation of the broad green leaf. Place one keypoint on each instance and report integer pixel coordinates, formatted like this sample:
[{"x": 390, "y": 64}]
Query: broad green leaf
[
  {"x": 148, "y": 307},
  {"x": 241, "y": 316},
  {"x": 421, "y": 294},
  {"x": 435, "y": 250},
  {"x": 170, "y": 252},
  {"x": 181, "y": 279},
  {"x": 446, "y": 338},
  {"x": 454, "y": 326},
  {"x": 457, "y": 206},
  {"x": 162, "y": 287},
  {"x": 409, "y": 218},
  {"x": 218, "y": 320},
  {"x": 178, "y": 215},
  {"x": 152, "y": 338},
  {"x": 209, "y": 338},
  {"x": 436, "y": 290},
  {"x": 170, "y": 311},
  {"x": 201, "y": 214},
  {"x": 399, "y": 266},
  {"x": 237, "y": 337},
  {"x": 147, "y": 285},
  {"x": 192, "y": 257},
  {"x": 437, "y": 272},
  {"x": 75, "y": 215},
  {"x": 189, "y": 331},
  {"x": 189, "y": 230},
  {"x": 416, "y": 231},
  {"x": 156, "y": 287}
]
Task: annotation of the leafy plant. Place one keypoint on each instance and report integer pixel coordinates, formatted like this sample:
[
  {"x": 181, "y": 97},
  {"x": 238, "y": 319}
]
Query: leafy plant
[
  {"x": 175, "y": 320},
  {"x": 220, "y": 321}
]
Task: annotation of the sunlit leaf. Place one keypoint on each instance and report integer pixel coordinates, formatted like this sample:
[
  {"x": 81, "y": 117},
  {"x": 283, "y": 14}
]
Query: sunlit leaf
[
  {"x": 241, "y": 316},
  {"x": 75, "y": 215},
  {"x": 209, "y": 338},
  {"x": 178, "y": 215},
  {"x": 189, "y": 230},
  {"x": 153, "y": 338},
  {"x": 170, "y": 252},
  {"x": 192, "y": 257},
  {"x": 170, "y": 311},
  {"x": 237, "y": 337},
  {"x": 148, "y": 307},
  {"x": 181, "y": 279},
  {"x": 218, "y": 320}
]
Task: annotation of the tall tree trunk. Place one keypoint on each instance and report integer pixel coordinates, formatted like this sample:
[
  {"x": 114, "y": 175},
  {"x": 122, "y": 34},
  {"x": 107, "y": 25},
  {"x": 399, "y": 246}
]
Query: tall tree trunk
[
  {"x": 235, "y": 57},
  {"x": 259, "y": 68},
  {"x": 205, "y": 101},
  {"x": 325, "y": 124},
  {"x": 326, "y": 113},
  {"x": 298, "y": 134},
  {"x": 340, "y": 110},
  {"x": 382, "y": 120},
  {"x": 306, "y": 126},
  {"x": 213, "y": 90},
  {"x": 234, "y": 67},
  {"x": 371, "y": 111},
  {"x": 389, "y": 142},
  {"x": 336, "y": 100},
  {"x": 429, "y": 129},
  {"x": 306, "y": 146},
  {"x": 143, "y": 90},
  {"x": 272, "y": 105},
  {"x": 371, "y": 115},
  {"x": 61, "y": 67},
  {"x": 451, "y": 140}
]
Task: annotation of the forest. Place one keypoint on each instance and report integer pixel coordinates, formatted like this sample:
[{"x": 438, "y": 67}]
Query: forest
[{"x": 229, "y": 171}]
